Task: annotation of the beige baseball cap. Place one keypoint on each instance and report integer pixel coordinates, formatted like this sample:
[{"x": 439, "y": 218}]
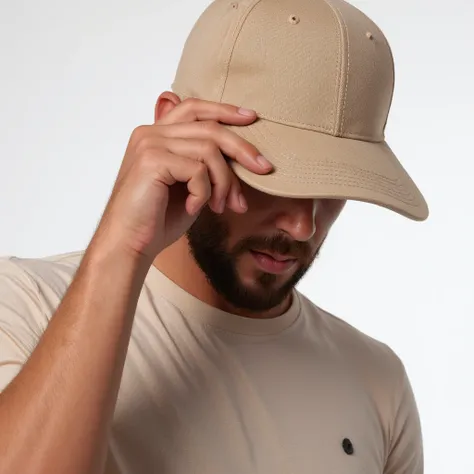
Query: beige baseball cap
[{"x": 320, "y": 75}]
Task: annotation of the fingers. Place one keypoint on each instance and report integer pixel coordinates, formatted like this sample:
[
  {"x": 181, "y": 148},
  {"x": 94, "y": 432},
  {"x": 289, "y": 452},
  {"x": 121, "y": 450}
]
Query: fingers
[
  {"x": 174, "y": 168},
  {"x": 236, "y": 200},
  {"x": 225, "y": 185},
  {"x": 191, "y": 110},
  {"x": 194, "y": 130},
  {"x": 196, "y": 118},
  {"x": 231, "y": 144}
]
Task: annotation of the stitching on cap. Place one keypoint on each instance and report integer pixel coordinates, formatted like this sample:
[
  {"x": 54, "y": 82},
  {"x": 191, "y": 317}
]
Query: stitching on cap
[
  {"x": 342, "y": 27},
  {"x": 384, "y": 39},
  {"x": 308, "y": 126},
  {"x": 329, "y": 162},
  {"x": 236, "y": 33},
  {"x": 338, "y": 74},
  {"x": 346, "y": 31},
  {"x": 333, "y": 117},
  {"x": 369, "y": 178},
  {"x": 321, "y": 128}
]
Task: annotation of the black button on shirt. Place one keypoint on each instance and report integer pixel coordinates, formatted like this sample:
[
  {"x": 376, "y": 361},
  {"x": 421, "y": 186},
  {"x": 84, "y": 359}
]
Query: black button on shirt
[{"x": 348, "y": 446}]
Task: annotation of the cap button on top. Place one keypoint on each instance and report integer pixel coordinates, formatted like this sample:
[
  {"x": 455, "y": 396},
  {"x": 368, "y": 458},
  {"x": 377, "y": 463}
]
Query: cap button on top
[{"x": 294, "y": 19}]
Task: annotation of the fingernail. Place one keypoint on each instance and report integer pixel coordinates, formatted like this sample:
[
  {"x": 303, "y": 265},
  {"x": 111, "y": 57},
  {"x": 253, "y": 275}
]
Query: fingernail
[
  {"x": 242, "y": 201},
  {"x": 263, "y": 162},
  {"x": 246, "y": 112}
]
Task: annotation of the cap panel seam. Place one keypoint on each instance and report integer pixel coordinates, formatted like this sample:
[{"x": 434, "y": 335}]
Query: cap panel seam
[
  {"x": 393, "y": 84},
  {"x": 343, "y": 73},
  {"x": 237, "y": 31},
  {"x": 346, "y": 43}
]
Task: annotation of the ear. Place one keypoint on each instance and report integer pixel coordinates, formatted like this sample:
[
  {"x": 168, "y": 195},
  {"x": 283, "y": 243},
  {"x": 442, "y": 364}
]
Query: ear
[{"x": 166, "y": 102}]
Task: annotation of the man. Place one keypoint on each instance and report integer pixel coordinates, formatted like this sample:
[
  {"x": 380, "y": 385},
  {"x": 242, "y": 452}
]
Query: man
[{"x": 177, "y": 342}]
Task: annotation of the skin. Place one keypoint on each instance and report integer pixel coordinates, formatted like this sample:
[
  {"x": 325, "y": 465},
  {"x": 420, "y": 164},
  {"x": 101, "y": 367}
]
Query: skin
[
  {"x": 172, "y": 187},
  {"x": 222, "y": 272}
]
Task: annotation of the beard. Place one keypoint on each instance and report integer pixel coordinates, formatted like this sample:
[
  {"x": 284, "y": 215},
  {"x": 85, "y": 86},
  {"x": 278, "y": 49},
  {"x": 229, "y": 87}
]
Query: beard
[{"x": 208, "y": 242}]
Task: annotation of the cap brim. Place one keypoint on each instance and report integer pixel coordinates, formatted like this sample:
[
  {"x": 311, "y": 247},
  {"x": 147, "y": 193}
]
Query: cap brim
[{"x": 309, "y": 164}]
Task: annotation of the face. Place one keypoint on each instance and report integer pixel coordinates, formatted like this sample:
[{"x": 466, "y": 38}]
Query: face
[{"x": 254, "y": 260}]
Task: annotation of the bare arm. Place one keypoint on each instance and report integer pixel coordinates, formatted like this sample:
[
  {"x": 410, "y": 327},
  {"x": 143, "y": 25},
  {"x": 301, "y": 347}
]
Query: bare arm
[{"x": 55, "y": 414}]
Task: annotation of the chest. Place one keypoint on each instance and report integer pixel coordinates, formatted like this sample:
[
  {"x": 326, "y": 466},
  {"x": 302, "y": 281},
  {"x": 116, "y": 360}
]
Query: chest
[{"x": 208, "y": 405}]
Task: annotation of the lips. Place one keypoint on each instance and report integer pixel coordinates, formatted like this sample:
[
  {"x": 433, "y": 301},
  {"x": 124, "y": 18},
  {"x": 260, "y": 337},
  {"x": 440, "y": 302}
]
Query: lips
[
  {"x": 269, "y": 264},
  {"x": 276, "y": 256}
]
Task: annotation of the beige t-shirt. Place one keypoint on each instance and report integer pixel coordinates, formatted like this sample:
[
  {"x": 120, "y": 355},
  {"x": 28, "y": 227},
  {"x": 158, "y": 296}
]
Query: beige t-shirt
[{"x": 208, "y": 392}]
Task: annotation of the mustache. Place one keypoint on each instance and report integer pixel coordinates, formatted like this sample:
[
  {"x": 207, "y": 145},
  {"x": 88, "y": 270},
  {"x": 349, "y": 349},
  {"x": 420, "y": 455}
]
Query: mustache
[{"x": 277, "y": 244}]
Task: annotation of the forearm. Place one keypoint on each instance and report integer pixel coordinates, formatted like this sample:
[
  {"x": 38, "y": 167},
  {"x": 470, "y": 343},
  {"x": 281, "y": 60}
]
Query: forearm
[{"x": 55, "y": 415}]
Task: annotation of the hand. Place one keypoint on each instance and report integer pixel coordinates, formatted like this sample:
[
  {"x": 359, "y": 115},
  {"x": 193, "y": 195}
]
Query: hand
[{"x": 172, "y": 169}]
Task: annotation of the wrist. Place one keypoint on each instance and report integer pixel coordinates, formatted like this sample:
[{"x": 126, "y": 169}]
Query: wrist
[{"x": 103, "y": 253}]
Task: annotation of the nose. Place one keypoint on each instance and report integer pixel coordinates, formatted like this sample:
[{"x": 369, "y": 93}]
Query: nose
[{"x": 297, "y": 218}]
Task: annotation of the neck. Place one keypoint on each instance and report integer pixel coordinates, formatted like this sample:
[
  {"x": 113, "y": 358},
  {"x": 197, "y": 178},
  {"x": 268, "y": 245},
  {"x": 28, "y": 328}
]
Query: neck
[{"x": 177, "y": 264}]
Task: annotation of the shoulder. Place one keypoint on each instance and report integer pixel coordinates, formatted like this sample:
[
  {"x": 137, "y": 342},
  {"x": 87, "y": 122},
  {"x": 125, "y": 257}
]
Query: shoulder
[
  {"x": 54, "y": 271},
  {"x": 35, "y": 283},
  {"x": 374, "y": 366},
  {"x": 30, "y": 291},
  {"x": 371, "y": 359}
]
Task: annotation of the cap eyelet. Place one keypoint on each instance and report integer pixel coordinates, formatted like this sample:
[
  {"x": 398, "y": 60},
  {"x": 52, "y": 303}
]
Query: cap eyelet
[
  {"x": 234, "y": 5},
  {"x": 369, "y": 35},
  {"x": 294, "y": 19}
]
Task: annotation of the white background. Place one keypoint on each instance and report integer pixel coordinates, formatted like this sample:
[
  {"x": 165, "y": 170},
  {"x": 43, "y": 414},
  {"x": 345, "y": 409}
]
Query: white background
[{"x": 78, "y": 77}]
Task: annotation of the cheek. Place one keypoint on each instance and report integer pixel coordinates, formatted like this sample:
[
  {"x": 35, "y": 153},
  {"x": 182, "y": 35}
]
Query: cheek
[{"x": 239, "y": 225}]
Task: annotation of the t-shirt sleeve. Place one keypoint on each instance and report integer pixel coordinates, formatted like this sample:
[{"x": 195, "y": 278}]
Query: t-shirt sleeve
[
  {"x": 22, "y": 319},
  {"x": 406, "y": 446}
]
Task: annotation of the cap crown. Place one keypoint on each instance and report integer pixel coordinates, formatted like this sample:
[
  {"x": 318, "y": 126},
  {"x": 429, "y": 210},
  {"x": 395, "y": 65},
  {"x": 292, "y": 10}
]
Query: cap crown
[{"x": 321, "y": 65}]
